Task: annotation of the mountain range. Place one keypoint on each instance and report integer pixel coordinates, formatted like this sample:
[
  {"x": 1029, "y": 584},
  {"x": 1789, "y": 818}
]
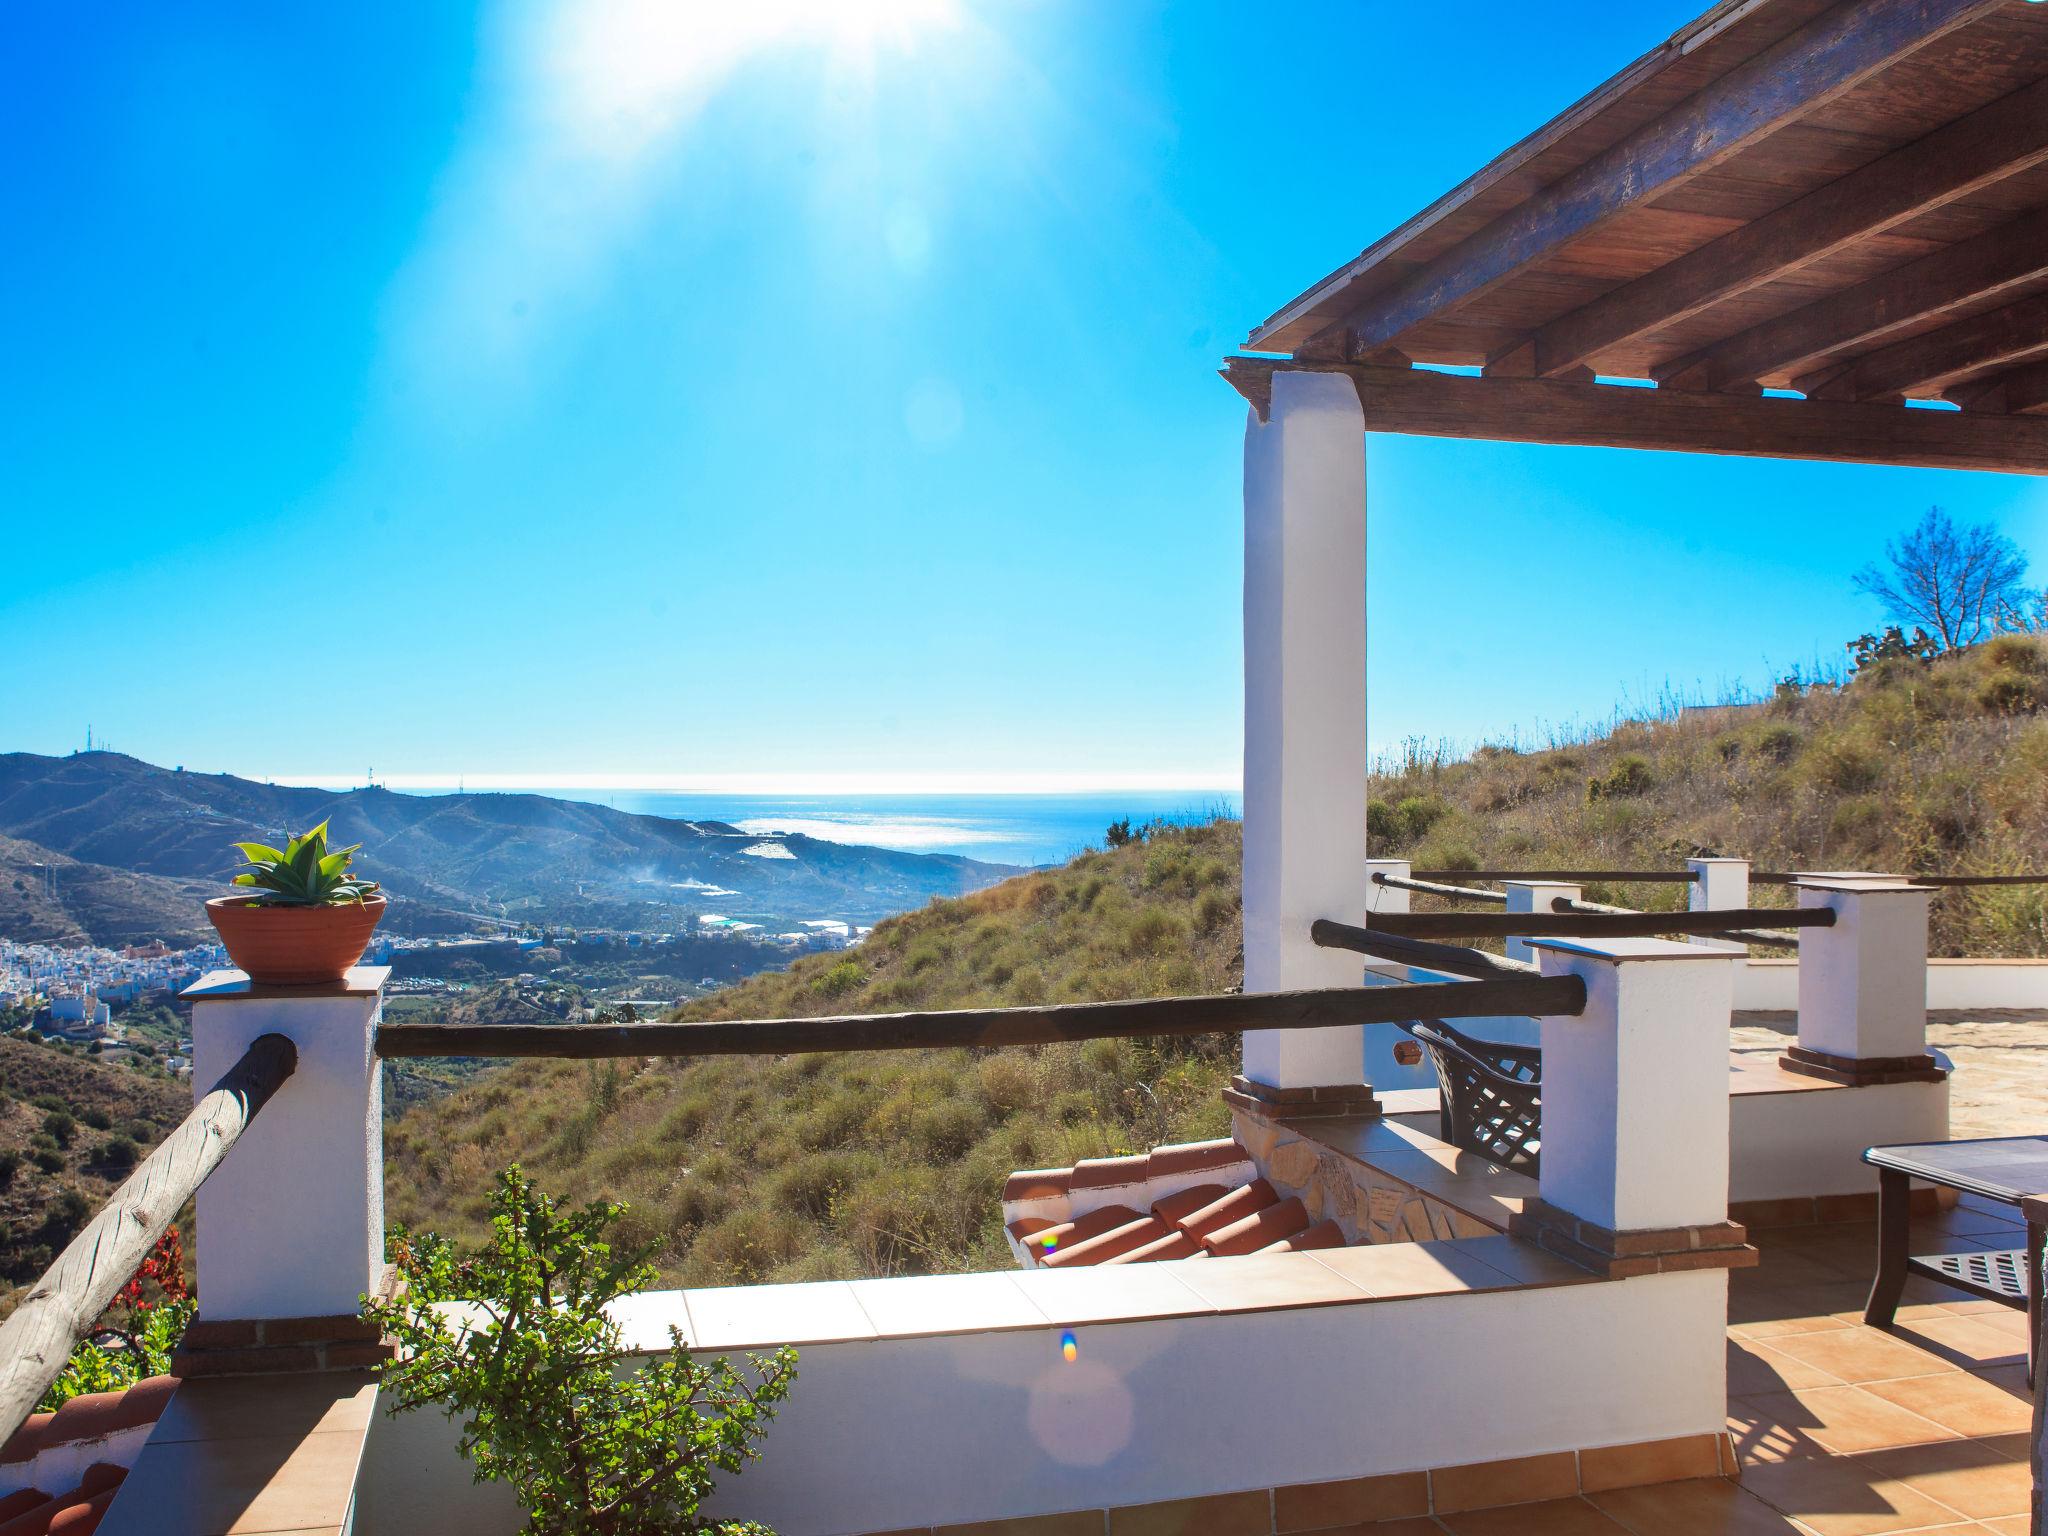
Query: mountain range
[{"x": 131, "y": 848}]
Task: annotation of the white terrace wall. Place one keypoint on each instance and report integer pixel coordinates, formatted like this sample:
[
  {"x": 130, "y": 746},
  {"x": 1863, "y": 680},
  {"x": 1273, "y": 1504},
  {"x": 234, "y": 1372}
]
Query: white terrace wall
[
  {"x": 884, "y": 1433},
  {"x": 1772, "y": 985}
]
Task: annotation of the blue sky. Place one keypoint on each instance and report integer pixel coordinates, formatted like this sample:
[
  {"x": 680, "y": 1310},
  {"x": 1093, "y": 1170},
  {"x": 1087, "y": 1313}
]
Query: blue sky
[{"x": 809, "y": 392}]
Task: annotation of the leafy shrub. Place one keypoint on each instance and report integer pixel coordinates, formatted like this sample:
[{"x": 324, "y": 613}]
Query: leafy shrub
[
  {"x": 845, "y": 977},
  {"x": 98, "y": 1119},
  {"x": 10, "y": 1164},
  {"x": 119, "y": 1153},
  {"x": 590, "y": 1449},
  {"x": 47, "y": 1159},
  {"x": 2010, "y": 692},
  {"x": 2018, "y": 653},
  {"x": 1777, "y": 743},
  {"x": 1629, "y": 776},
  {"x": 59, "y": 1127},
  {"x": 1844, "y": 764}
]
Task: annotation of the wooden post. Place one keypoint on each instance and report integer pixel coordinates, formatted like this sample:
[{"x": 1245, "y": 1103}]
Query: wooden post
[{"x": 65, "y": 1303}]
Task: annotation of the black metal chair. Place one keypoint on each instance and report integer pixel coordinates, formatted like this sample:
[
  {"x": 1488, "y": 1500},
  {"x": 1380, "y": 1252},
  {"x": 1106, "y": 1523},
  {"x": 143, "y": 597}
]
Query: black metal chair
[{"x": 1490, "y": 1093}]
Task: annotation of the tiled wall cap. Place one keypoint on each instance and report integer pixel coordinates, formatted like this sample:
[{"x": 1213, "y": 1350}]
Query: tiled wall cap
[
  {"x": 1324, "y": 1234},
  {"x": 1029, "y": 1226},
  {"x": 1037, "y": 1183},
  {"x": 1185, "y": 1202},
  {"x": 1107, "y": 1245},
  {"x": 1261, "y": 1229},
  {"x": 91, "y": 1416},
  {"x": 1241, "y": 1202},
  {"x": 1110, "y": 1172},
  {"x": 1172, "y": 1244},
  {"x": 1196, "y": 1157},
  {"x": 1104, "y": 1219}
]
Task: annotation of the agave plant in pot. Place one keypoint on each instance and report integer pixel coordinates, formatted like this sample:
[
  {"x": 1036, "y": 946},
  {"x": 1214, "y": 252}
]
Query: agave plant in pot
[{"x": 309, "y": 919}]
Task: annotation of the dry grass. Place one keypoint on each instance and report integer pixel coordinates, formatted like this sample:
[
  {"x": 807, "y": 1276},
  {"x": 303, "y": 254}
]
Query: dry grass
[
  {"x": 806, "y": 1167},
  {"x": 1937, "y": 768}
]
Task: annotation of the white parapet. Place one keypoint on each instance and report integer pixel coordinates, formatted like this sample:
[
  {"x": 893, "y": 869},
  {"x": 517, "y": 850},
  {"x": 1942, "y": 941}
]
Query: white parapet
[
  {"x": 1304, "y": 727},
  {"x": 1635, "y": 1089},
  {"x": 1535, "y": 896},
  {"x": 292, "y": 1223},
  {"x": 1718, "y": 885},
  {"x": 1863, "y": 982}
]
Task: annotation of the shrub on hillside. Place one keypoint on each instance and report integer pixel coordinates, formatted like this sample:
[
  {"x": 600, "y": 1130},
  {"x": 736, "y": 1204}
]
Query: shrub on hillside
[{"x": 1629, "y": 776}]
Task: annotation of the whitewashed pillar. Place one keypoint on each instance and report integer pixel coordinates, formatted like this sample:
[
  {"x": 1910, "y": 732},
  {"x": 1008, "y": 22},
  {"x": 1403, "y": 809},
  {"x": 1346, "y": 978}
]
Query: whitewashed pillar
[
  {"x": 291, "y": 1225},
  {"x": 1718, "y": 885},
  {"x": 1635, "y": 1108},
  {"x": 1534, "y": 896},
  {"x": 1304, "y": 715},
  {"x": 1392, "y": 1059},
  {"x": 1863, "y": 982}
]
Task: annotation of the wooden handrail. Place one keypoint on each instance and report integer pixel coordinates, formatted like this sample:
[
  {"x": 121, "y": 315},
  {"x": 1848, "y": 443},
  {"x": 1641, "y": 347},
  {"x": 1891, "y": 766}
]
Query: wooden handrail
[
  {"x": 1318, "y": 1008},
  {"x": 1623, "y": 876},
  {"x": 1455, "y": 959},
  {"x": 1592, "y": 925},
  {"x": 73, "y": 1292},
  {"x": 1733, "y": 935},
  {"x": 1785, "y": 877},
  {"x": 1431, "y": 888}
]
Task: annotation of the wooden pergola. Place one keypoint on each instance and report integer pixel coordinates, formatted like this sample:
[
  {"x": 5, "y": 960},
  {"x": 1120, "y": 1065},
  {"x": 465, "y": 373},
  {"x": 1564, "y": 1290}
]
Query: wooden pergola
[
  {"x": 1805, "y": 229},
  {"x": 1843, "y": 198}
]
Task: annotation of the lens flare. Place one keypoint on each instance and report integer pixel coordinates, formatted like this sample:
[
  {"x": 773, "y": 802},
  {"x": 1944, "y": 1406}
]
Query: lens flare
[{"x": 1070, "y": 1347}]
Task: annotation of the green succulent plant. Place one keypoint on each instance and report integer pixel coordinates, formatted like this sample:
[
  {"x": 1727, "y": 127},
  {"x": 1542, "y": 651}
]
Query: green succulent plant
[{"x": 303, "y": 873}]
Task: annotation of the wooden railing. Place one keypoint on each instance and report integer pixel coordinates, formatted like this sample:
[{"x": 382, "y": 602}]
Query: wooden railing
[
  {"x": 1679, "y": 876},
  {"x": 1592, "y": 925},
  {"x": 1733, "y": 935},
  {"x": 1501, "y": 992},
  {"x": 1453, "y": 958},
  {"x": 61, "y": 1307}
]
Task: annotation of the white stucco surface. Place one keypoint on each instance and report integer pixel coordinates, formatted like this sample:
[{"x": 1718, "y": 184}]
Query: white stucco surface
[
  {"x": 893, "y": 1432},
  {"x": 1304, "y": 703},
  {"x": 1635, "y": 1088},
  {"x": 292, "y": 1222}
]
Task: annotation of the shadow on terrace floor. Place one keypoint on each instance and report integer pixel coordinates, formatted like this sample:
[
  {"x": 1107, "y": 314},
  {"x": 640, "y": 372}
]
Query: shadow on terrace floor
[{"x": 1840, "y": 1429}]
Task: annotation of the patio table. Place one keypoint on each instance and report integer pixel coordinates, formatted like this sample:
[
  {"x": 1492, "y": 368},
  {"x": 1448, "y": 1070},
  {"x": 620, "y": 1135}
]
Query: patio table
[{"x": 2004, "y": 1169}]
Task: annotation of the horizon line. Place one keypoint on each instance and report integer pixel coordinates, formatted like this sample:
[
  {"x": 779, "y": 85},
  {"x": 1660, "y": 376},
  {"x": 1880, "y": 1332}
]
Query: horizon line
[{"x": 787, "y": 784}]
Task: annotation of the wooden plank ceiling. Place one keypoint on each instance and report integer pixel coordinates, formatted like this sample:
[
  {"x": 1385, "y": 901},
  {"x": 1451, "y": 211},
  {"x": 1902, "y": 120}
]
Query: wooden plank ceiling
[{"x": 1847, "y": 199}]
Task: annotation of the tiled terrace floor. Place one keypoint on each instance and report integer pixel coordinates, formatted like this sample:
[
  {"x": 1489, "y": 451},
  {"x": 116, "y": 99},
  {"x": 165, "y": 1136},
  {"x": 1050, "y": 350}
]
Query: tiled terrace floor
[{"x": 1841, "y": 1430}]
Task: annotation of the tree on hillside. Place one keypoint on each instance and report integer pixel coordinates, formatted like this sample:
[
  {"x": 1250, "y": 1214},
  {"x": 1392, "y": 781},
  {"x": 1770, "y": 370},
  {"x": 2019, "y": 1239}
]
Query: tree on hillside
[{"x": 1961, "y": 584}]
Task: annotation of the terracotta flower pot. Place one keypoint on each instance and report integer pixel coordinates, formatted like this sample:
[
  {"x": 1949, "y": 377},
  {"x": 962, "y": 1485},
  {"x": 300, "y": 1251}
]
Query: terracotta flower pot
[{"x": 294, "y": 946}]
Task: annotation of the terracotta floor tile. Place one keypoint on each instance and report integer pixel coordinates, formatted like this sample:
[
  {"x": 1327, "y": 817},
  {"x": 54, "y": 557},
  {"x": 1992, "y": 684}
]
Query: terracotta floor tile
[
  {"x": 1517, "y": 1480},
  {"x": 1555, "y": 1517},
  {"x": 2013, "y": 1525},
  {"x": 1825, "y": 1420},
  {"x": 1755, "y": 1365},
  {"x": 1414, "y": 1525},
  {"x": 1958, "y": 1401},
  {"x": 1836, "y": 1497},
  {"x": 1959, "y": 1474},
  {"x": 1859, "y": 1354},
  {"x": 1705, "y": 1507},
  {"x": 1967, "y": 1340}
]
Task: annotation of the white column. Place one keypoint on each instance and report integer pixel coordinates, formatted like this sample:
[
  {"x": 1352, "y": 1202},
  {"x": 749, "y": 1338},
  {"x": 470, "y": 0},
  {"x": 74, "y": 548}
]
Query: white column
[
  {"x": 1526, "y": 896},
  {"x": 1387, "y": 1044},
  {"x": 1635, "y": 1089},
  {"x": 1718, "y": 885},
  {"x": 292, "y": 1222},
  {"x": 1304, "y": 713},
  {"x": 1863, "y": 982}
]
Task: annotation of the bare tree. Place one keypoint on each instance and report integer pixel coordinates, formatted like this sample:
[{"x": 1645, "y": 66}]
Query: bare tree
[{"x": 1961, "y": 584}]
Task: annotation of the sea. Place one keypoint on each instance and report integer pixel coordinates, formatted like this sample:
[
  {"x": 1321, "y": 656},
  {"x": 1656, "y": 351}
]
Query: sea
[{"x": 1000, "y": 829}]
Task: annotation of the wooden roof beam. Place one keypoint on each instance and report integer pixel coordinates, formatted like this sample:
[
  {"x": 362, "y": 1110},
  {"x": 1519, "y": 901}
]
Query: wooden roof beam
[
  {"x": 1995, "y": 142},
  {"x": 1831, "y": 54},
  {"x": 1429, "y": 404},
  {"x": 2022, "y": 392},
  {"x": 1920, "y": 365},
  {"x": 1995, "y": 263}
]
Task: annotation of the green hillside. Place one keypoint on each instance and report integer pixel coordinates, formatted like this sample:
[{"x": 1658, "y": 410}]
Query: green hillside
[
  {"x": 748, "y": 1169},
  {"x": 809, "y": 1167},
  {"x": 1914, "y": 767},
  {"x": 71, "y": 1129}
]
